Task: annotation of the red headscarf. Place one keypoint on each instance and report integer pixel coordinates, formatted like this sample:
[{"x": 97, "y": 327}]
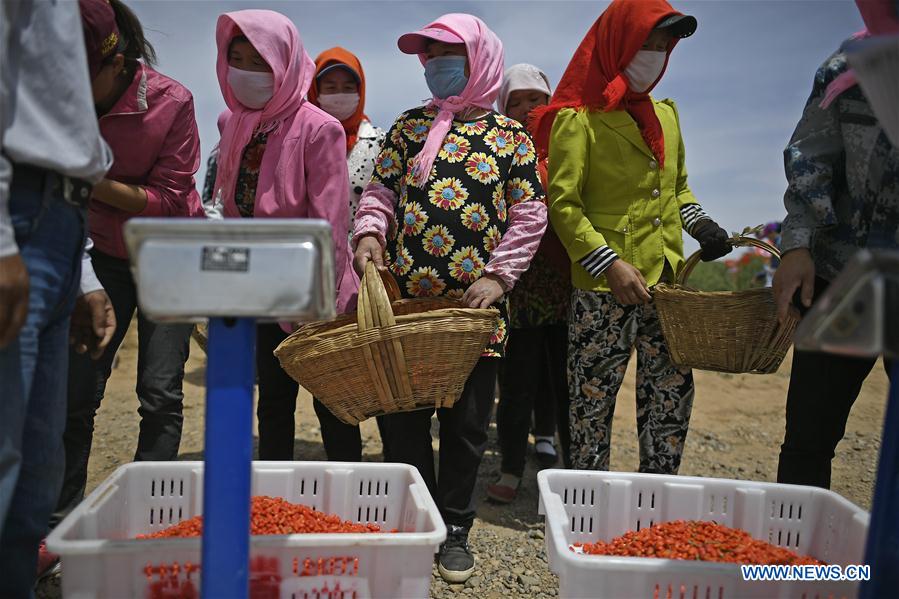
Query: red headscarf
[
  {"x": 595, "y": 80},
  {"x": 349, "y": 60}
]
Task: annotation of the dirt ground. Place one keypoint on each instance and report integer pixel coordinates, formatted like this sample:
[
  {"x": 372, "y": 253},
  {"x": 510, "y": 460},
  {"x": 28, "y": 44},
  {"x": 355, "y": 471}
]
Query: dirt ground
[{"x": 736, "y": 431}]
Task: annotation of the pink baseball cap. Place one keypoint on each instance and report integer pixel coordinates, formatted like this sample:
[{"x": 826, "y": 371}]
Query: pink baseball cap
[{"x": 417, "y": 42}]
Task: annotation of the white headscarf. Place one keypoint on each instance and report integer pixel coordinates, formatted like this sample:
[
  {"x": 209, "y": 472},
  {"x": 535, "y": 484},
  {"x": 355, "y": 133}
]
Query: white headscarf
[{"x": 522, "y": 76}]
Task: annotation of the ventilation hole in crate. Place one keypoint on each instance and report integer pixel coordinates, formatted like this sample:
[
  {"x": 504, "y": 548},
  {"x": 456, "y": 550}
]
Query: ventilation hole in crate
[
  {"x": 180, "y": 514},
  {"x": 652, "y": 501},
  {"x": 789, "y": 537},
  {"x": 160, "y": 515},
  {"x": 573, "y": 529},
  {"x": 790, "y": 512},
  {"x": 153, "y": 488},
  {"x": 368, "y": 514},
  {"x": 773, "y": 509},
  {"x": 695, "y": 591},
  {"x": 640, "y": 499},
  {"x": 376, "y": 514},
  {"x": 583, "y": 496},
  {"x": 683, "y": 592},
  {"x": 565, "y": 496},
  {"x": 315, "y": 486},
  {"x": 385, "y": 487},
  {"x": 708, "y": 593},
  {"x": 781, "y": 510},
  {"x": 670, "y": 593},
  {"x": 724, "y": 504},
  {"x": 302, "y": 486},
  {"x": 378, "y": 488},
  {"x": 181, "y": 488},
  {"x": 651, "y": 523},
  {"x": 797, "y": 539},
  {"x": 638, "y": 526},
  {"x": 780, "y": 535},
  {"x": 152, "y": 512},
  {"x": 799, "y": 515},
  {"x": 172, "y": 486},
  {"x": 359, "y": 515},
  {"x": 369, "y": 488},
  {"x": 591, "y": 525},
  {"x": 384, "y": 514},
  {"x": 361, "y": 487},
  {"x": 171, "y": 514},
  {"x": 720, "y": 592},
  {"x": 592, "y": 496}
]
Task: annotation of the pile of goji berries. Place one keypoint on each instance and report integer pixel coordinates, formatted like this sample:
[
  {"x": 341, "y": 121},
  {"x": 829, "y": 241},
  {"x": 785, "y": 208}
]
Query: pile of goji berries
[
  {"x": 696, "y": 540},
  {"x": 273, "y": 516}
]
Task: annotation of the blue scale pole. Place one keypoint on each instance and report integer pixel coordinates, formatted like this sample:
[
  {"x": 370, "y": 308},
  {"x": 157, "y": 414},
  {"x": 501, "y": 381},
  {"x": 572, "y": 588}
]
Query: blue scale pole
[
  {"x": 230, "y": 375},
  {"x": 882, "y": 551}
]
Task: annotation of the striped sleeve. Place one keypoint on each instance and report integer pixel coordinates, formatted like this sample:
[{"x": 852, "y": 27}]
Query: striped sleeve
[
  {"x": 597, "y": 261},
  {"x": 691, "y": 214}
]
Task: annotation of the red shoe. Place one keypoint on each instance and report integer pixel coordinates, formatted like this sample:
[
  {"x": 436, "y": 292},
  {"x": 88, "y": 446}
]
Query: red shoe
[
  {"x": 47, "y": 562},
  {"x": 505, "y": 489}
]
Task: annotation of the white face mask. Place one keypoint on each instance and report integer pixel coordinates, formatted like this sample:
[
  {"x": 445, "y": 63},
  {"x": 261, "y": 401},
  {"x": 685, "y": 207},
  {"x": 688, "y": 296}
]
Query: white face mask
[
  {"x": 340, "y": 106},
  {"x": 644, "y": 69},
  {"x": 252, "y": 89}
]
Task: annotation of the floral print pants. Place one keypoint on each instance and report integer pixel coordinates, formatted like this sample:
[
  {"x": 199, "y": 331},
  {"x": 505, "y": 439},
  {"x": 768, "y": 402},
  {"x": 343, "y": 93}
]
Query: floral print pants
[{"x": 601, "y": 335}]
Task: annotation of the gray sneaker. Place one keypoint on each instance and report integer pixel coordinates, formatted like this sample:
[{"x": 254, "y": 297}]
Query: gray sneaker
[{"x": 455, "y": 563}]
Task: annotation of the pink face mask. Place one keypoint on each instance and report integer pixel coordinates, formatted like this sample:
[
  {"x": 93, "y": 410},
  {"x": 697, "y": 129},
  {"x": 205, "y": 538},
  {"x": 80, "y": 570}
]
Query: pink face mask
[
  {"x": 340, "y": 106},
  {"x": 251, "y": 88}
]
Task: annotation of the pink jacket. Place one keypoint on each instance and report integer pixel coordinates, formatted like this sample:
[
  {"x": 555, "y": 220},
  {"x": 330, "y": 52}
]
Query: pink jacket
[
  {"x": 304, "y": 170},
  {"x": 303, "y": 175},
  {"x": 155, "y": 144}
]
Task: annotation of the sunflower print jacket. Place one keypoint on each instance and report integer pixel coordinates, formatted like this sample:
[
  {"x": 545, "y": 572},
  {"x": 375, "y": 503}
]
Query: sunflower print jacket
[{"x": 447, "y": 230}]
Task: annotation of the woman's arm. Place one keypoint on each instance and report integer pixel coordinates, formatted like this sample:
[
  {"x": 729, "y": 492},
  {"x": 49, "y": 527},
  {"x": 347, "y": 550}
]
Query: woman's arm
[{"x": 170, "y": 189}]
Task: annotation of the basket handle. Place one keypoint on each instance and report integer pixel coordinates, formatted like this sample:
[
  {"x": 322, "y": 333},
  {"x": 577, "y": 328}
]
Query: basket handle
[
  {"x": 386, "y": 359},
  {"x": 735, "y": 241}
]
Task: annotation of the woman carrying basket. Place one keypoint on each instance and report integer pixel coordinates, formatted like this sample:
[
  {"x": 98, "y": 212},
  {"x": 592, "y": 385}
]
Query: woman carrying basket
[
  {"x": 455, "y": 201},
  {"x": 618, "y": 201}
]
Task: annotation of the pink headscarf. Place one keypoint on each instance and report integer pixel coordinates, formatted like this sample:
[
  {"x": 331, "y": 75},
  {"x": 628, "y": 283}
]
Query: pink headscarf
[
  {"x": 485, "y": 63},
  {"x": 278, "y": 42},
  {"x": 881, "y": 18}
]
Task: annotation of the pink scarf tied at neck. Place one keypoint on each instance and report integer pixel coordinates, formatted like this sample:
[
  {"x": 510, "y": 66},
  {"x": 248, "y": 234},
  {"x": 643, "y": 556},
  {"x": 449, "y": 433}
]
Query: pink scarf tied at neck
[
  {"x": 881, "y": 18},
  {"x": 276, "y": 39},
  {"x": 485, "y": 63}
]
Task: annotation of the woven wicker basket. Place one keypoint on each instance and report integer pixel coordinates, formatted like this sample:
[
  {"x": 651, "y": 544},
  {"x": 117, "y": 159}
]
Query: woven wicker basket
[
  {"x": 392, "y": 356},
  {"x": 725, "y": 331}
]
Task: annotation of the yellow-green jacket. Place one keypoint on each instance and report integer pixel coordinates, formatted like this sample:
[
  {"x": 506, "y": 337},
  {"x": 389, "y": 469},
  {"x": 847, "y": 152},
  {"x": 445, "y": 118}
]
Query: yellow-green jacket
[{"x": 606, "y": 189}]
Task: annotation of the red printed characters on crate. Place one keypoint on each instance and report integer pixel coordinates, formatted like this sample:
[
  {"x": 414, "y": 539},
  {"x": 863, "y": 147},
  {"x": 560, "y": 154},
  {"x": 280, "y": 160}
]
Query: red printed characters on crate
[{"x": 695, "y": 540}]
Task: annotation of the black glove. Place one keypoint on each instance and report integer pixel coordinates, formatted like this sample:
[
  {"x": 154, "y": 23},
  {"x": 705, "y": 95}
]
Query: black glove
[{"x": 712, "y": 239}]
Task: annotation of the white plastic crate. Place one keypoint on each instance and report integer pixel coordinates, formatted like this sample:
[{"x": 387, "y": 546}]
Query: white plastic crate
[
  {"x": 101, "y": 558},
  {"x": 586, "y": 506}
]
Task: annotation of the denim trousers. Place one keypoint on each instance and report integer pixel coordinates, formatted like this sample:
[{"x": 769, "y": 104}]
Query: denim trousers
[{"x": 50, "y": 234}]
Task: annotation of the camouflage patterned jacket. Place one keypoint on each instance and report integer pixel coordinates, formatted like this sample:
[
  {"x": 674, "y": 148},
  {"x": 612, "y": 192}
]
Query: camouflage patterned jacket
[{"x": 843, "y": 177}]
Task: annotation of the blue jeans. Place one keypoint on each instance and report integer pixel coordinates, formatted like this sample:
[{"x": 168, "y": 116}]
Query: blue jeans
[{"x": 50, "y": 236}]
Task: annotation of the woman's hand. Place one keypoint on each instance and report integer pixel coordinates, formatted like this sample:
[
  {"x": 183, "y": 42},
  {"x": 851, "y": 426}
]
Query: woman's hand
[
  {"x": 368, "y": 248},
  {"x": 124, "y": 196},
  {"x": 484, "y": 292},
  {"x": 627, "y": 283},
  {"x": 796, "y": 271}
]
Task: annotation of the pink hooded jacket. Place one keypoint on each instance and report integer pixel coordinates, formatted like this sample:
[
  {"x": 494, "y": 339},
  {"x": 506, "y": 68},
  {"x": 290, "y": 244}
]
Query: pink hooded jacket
[
  {"x": 153, "y": 134},
  {"x": 304, "y": 170}
]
